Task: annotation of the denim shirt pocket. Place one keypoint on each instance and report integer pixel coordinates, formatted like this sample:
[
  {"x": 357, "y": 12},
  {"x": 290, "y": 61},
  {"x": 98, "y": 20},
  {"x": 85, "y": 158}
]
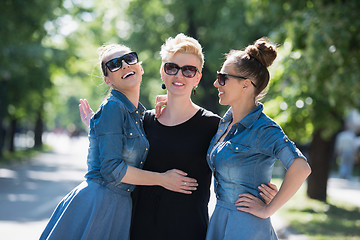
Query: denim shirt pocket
[
  {"x": 132, "y": 144},
  {"x": 235, "y": 154},
  {"x": 239, "y": 148}
]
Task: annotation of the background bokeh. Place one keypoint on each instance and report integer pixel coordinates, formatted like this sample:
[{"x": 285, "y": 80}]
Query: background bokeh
[{"x": 49, "y": 61}]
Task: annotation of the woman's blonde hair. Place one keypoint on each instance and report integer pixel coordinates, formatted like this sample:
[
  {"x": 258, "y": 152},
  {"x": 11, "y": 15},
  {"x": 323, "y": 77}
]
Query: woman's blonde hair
[{"x": 181, "y": 44}]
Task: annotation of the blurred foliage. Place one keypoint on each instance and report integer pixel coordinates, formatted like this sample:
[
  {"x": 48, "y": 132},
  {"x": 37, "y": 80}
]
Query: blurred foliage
[{"x": 49, "y": 59}]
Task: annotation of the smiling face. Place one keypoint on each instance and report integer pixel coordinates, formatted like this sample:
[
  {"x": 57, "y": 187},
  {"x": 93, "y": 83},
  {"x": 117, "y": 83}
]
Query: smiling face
[
  {"x": 179, "y": 84},
  {"x": 127, "y": 78},
  {"x": 234, "y": 89}
]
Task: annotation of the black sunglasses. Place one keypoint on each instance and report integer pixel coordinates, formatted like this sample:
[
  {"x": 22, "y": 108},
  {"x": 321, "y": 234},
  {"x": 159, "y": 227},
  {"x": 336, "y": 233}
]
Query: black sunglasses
[
  {"x": 116, "y": 63},
  {"x": 222, "y": 77},
  {"x": 187, "y": 70}
]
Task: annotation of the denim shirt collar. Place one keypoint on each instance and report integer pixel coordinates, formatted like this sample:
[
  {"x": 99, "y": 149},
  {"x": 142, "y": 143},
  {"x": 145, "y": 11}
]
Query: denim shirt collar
[
  {"x": 248, "y": 120},
  {"x": 128, "y": 105}
]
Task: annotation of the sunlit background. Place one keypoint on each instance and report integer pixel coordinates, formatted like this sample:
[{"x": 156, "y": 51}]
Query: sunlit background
[{"x": 49, "y": 61}]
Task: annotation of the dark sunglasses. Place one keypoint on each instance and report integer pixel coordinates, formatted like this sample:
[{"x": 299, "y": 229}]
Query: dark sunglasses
[
  {"x": 222, "y": 77},
  {"x": 187, "y": 70},
  {"x": 115, "y": 64}
]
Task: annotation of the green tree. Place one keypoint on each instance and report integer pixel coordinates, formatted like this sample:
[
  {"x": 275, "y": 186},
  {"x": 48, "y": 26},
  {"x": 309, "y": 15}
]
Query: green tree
[
  {"x": 24, "y": 64},
  {"x": 319, "y": 82},
  {"x": 314, "y": 78}
]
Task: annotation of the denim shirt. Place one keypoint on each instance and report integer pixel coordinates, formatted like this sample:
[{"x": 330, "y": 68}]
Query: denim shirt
[
  {"x": 117, "y": 139},
  {"x": 246, "y": 156}
]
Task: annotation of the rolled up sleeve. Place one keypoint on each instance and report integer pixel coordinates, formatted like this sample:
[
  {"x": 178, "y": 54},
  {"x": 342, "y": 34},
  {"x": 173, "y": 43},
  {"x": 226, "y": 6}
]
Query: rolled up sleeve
[
  {"x": 280, "y": 146},
  {"x": 109, "y": 130}
]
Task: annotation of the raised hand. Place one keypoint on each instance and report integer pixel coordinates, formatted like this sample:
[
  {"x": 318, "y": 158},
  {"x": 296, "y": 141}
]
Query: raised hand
[
  {"x": 86, "y": 112},
  {"x": 160, "y": 104}
]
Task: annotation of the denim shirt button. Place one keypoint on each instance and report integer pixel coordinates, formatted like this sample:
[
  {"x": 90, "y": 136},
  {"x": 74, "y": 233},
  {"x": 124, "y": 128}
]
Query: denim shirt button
[
  {"x": 136, "y": 122},
  {"x": 286, "y": 140},
  {"x": 237, "y": 148},
  {"x": 128, "y": 190},
  {"x": 146, "y": 149},
  {"x": 137, "y": 111},
  {"x": 130, "y": 134},
  {"x": 141, "y": 163}
]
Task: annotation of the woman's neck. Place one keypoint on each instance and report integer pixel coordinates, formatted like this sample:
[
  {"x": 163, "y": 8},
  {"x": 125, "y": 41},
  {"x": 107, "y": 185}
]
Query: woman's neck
[
  {"x": 133, "y": 96},
  {"x": 178, "y": 110},
  {"x": 242, "y": 108}
]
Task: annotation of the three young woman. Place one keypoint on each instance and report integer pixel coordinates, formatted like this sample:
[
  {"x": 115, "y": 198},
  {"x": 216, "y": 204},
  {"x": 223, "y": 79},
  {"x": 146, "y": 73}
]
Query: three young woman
[{"x": 241, "y": 154}]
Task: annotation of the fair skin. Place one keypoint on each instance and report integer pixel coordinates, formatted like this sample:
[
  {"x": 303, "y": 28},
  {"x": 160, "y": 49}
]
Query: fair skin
[
  {"x": 127, "y": 80},
  {"x": 179, "y": 107},
  {"x": 240, "y": 95}
]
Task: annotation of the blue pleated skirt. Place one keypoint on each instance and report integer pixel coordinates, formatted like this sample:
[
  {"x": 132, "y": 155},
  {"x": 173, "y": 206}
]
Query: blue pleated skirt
[
  {"x": 91, "y": 211},
  {"x": 228, "y": 223}
]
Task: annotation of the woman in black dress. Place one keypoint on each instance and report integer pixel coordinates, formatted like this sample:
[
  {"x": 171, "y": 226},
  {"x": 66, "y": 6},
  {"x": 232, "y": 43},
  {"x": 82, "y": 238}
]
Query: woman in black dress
[{"x": 178, "y": 138}]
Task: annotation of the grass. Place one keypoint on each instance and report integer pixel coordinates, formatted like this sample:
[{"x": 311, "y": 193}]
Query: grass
[
  {"x": 22, "y": 155},
  {"x": 319, "y": 220}
]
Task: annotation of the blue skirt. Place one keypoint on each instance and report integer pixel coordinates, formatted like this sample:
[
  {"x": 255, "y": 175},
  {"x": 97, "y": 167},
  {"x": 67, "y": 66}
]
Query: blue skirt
[
  {"x": 228, "y": 223},
  {"x": 91, "y": 211}
]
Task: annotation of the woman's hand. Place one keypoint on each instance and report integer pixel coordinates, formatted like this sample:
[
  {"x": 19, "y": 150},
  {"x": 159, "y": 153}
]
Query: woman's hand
[
  {"x": 251, "y": 204},
  {"x": 160, "y": 104},
  {"x": 268, "y": 192},
  {"x": 176, "y": 180},
  {"x": 85, "y": 112}
]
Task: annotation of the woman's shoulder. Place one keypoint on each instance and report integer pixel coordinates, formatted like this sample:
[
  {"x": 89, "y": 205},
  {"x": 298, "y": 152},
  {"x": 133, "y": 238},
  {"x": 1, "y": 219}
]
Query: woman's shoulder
[
  {"x": 268, "y": 128},
  {"x": 109, "y": 109},
  {"x": 207, "y": 118}
]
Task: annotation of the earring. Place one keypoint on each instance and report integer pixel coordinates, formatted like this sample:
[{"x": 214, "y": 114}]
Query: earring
[
  {"x": 163, "y": 86},
  {"x": 194, "y": 90}
]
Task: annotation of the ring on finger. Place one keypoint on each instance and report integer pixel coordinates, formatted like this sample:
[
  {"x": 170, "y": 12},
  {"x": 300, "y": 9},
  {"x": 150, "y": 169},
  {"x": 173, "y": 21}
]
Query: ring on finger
[{"x": 185, "y": 183}]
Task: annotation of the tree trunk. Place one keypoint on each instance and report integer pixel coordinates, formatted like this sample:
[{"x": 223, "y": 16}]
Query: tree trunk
[
  {"x": 320, "y": 153},
  {"x": 2, "y": 113},
  {"x": 39, "y": 128},
  {"x": 2, "y": 137},
  {"x": 13, "y": 126}
]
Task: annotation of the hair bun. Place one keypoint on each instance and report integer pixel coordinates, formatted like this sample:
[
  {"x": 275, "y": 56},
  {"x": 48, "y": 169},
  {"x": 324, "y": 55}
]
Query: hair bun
[{"x": 263, "y": 51}]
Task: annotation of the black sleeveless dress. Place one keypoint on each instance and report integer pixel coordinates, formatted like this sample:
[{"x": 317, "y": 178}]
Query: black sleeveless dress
[{"x": 162, "y": 214}]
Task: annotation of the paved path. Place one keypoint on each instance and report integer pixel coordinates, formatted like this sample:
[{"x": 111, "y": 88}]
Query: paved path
[{"x": 29, "y": 191}]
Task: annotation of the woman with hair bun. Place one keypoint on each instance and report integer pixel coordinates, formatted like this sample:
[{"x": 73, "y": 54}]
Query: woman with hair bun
[{"x": 243, "y": 152}]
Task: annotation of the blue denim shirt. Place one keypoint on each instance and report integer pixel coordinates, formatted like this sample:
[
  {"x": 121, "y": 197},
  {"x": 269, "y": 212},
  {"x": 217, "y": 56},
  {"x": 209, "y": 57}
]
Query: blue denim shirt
[
  {"x": 246, "y": 156},
  {"x": 117, "y": 139}
]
